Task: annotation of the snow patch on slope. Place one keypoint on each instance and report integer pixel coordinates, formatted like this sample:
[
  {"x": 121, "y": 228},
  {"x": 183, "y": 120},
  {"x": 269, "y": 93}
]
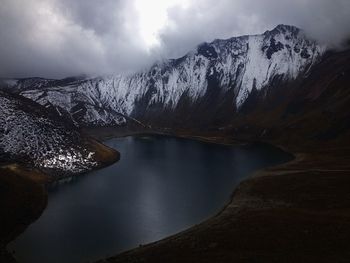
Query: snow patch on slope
[{"x": 28, "y": 134}]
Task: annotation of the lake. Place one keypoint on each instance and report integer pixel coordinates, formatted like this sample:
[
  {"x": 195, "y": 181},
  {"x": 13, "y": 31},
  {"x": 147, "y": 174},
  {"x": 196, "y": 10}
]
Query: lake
[{"x": 161, "y": 186}]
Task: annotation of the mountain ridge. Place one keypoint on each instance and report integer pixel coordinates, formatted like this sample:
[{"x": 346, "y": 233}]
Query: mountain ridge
[{"x": 220, "y": 75}]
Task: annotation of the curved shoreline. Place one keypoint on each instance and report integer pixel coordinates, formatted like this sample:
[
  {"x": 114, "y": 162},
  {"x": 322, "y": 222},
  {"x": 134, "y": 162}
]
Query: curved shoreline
[
  {"x": 253, "y": 201},
  {"x": 286, "y": 198},
  {"x": 205, "y": 139},
  {"x": 215, "y": 140}
]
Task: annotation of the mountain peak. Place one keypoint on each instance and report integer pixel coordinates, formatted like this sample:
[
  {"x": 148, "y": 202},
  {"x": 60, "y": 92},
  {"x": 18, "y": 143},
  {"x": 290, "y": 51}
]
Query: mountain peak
[
  {"x": 283, "y": 29},
  {"x": 286, "y": 27}
]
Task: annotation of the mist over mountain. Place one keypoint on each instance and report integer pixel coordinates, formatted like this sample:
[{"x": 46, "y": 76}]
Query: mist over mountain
[{"x": 60, "y": 38}]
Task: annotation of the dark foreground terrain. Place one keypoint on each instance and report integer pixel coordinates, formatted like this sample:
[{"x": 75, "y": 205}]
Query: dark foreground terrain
[{"x": 22, "y": 199}]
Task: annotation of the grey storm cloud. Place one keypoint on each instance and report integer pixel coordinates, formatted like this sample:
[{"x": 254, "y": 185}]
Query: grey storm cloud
[{"x": 57, "y": 38}]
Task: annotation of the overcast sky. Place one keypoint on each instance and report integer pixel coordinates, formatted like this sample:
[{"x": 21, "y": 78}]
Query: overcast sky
[{"x": 57, "y": 38}]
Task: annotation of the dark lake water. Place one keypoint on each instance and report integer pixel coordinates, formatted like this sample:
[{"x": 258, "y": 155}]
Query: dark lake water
[{"x": 161, "y": 185}]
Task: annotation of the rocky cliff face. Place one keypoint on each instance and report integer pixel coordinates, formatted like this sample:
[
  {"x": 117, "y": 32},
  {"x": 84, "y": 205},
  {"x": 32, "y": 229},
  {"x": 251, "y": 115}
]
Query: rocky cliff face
[{"x": 210, "y": 83}]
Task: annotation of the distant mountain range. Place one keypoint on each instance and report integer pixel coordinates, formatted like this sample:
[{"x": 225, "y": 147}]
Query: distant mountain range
[{"x": 206, "y": 87}]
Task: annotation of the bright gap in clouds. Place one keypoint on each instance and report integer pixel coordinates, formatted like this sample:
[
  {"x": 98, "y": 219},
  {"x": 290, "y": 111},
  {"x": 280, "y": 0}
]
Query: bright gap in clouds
[{"x": 153, "y": 16}]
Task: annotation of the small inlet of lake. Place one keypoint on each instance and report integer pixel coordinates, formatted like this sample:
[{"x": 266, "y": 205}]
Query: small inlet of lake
[{"x": 161, "y": 186}]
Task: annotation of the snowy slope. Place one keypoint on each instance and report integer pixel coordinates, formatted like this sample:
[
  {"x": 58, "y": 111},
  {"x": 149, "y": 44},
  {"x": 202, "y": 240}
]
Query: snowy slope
[
  {"x": 30, "y": 134},
  {"x": 236, "y": 66}
]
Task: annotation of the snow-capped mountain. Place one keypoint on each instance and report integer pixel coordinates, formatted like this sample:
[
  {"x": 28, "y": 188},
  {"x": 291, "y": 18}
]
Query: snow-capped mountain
[
  {"x": 216, "y": 79},
  {"x": 33, "y": 135}
]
